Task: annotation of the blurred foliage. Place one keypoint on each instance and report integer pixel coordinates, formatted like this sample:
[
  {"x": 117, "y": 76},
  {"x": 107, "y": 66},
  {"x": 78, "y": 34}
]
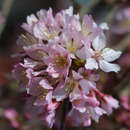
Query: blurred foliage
[{"x": 82, "y": 2}]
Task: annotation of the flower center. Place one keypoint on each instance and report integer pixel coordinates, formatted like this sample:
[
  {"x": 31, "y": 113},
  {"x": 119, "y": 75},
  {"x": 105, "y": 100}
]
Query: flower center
[
  {"x": 61, "y": 62},
  {"x": 98, "y": 55},
  {"x": 72, "y": 48},
  {"x": 50, "y": 35}
]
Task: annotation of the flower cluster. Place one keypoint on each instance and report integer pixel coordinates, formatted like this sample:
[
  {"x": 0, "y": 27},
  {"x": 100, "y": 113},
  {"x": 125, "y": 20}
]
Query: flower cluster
[
  {"x": 59, "y": 59},
  {"x": 121, "y": 21}
]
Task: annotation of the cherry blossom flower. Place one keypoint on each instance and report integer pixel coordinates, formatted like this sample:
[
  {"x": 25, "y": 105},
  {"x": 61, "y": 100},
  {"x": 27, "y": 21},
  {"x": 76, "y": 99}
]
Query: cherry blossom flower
[
  {"x": 89, "y": 28},
  {"x": 101, "y": 56},
  {"x": 107, "y": 102},
  {"x": 59, "y": 60}
]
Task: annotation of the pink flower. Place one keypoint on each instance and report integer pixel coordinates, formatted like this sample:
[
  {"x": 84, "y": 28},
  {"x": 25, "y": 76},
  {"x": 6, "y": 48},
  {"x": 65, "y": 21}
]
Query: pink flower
[
  {"x": 96, "y": 113},
  {"x": 89, "y": 28},
  {"x": 125, "y": 102},
  {"x": 72, "y": 42},
  {"x": 59, "y": 60},
  {"x": 82, "y": 102},
  {"x": 72, "y": 119},
  {"x": 19, "y": 72},
  {"x": 82, "y": 82},
  {"x": 12, "y": 116},
  {"x": 67, "y": 20},
  {"x": 107, "y": 102},
  {"x": 46, "y": 29}
]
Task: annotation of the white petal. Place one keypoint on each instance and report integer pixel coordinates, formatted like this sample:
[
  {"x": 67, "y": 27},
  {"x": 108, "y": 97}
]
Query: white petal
[
  {"x": 45, "y": 84},
  {"x": 75, "y": 94},
  {"x": 110, "y": 54},
  {"x": 49, "y": 97},
  {"x": 94, "y": 25},
  {"x": 86, "y": 85},
  {"x": 28, "y": 63},
  {"x": 81, "y": 109},
  {"x": 89, "y": 52},
  {"x": 96, "y": 113},
  {"x": 81, "y": 53},
  {"x": 76, "y": 75},
  {"x": 111, "y": 101},
  {"x": 60, "y": 93},
  {"x": 38, "y": 33},
  {"x": 31, "y": 19},
  {"x": 99, "y": 42},
  {"x": 55, "y": 75},
  {"x": 104, "y": 26},
  {"x": 77, "y": 16},
  {"x": 69, "y": 11},
  {"x": 91, "y": 64},
  {"x": 108, "y": 67}
]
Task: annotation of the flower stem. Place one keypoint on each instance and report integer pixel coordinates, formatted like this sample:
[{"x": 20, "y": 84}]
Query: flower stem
[{"x": 64, "y": 114}]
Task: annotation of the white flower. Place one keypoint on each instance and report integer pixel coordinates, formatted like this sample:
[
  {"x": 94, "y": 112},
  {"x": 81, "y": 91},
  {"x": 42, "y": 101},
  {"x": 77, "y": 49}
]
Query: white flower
[{"x": 100, "y": 56}]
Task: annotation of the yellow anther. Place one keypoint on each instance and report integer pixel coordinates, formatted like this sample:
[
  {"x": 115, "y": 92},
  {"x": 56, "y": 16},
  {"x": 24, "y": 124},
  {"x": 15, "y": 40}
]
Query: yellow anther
[
  {"x": 66, "y": 89},
  {"x": 41, "y": 53},
  {"x": 23, "y": 73},
  {"x": 43, "y": 95},
  {"x": 60, "y": 62},
  {"x": 49, "y": 34},
  {"x": 85, "y": 31}
]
